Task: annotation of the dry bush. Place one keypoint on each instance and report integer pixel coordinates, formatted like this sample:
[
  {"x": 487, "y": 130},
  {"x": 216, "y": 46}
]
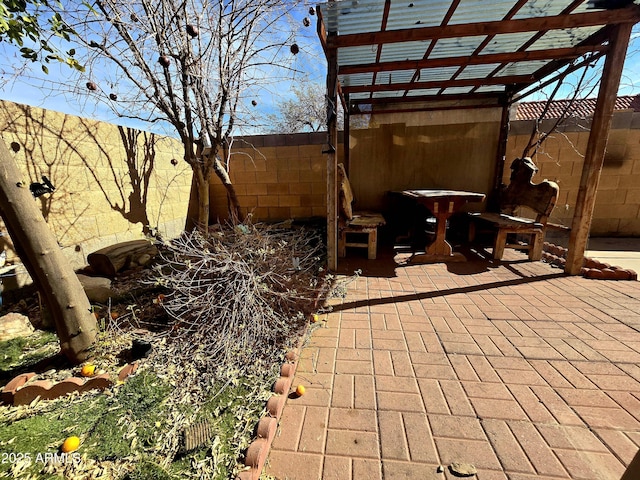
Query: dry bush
[{"x": 242, "y": 293}]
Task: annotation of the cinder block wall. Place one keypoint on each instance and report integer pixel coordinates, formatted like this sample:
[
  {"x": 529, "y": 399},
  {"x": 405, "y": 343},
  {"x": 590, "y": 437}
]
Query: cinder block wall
[
  {"x": 276, "y": 177},
  {"x": 561, "y": 158},
  {"x": 112, "y": 183},
  {"x": 284, "y": 176}
]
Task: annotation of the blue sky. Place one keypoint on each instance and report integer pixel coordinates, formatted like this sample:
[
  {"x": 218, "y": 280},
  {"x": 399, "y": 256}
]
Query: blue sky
[{"x": 309, "y": 65}]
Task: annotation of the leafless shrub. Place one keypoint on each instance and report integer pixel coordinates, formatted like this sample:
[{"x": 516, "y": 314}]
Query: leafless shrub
[{"x": 240, "y": 293}]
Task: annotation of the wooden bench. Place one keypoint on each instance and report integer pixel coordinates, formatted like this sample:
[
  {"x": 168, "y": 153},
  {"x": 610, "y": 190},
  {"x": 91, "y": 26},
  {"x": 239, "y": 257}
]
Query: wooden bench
[
  {"x": 355, "y": 224},
  {"x": 510, "y": 229}
]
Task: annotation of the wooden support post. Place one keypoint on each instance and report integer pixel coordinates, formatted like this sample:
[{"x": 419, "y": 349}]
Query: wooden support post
[
  {"x": 493, "y": 204},
  {"x": 332, "y": 159},
  {"x": 594, "y": 156},
  {"x": 346, "y": 139}
]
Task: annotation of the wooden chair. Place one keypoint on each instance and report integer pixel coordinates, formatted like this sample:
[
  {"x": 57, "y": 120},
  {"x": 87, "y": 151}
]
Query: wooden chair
[
  {"x": 511, "y": 230},
  {"x": 355, "y": 224}
]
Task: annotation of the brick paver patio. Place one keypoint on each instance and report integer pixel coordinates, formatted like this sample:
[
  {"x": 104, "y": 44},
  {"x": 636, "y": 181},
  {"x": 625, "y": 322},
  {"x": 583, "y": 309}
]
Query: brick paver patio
[{"x": 514, "y": 367}]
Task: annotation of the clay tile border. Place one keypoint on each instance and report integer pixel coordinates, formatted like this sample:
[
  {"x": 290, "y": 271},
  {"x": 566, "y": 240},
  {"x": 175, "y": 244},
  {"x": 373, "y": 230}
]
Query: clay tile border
[
  {"x": 258, "y": 450},
  {"x": 17, "y": 393},
  {"x": 592, "y": 268}
]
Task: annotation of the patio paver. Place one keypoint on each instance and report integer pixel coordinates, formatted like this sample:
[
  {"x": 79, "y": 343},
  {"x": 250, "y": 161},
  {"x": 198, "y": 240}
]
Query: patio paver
[{"x": 511, "y": 366}]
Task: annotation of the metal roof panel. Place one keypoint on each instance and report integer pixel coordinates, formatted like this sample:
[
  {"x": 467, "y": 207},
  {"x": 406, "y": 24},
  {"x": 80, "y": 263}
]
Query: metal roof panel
[
  {"x": 417, "y": 13},
  {"x": 566, "y": 37},
  {"x": 396, "y": 76},
  {"x": 356, "y": 79},
  {"x": 456, "y": 47},
  {"x": 433, "y": 74},
  {"x": 356, "y": 55},
  {"x": 392, "y": 52},
  {"x": 384, "y": 40},
  {"x": 472, "y": 11},
  {"x": 352, "y": 16}
]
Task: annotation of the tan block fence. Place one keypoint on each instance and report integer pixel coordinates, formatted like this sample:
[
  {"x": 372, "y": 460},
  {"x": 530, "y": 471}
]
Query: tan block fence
[
  {"x": 276, "y": 177},
  {"x": 617, "y": 209},
  {"x": 114, "y": 183},
  {"x": 284, "y": 176}
]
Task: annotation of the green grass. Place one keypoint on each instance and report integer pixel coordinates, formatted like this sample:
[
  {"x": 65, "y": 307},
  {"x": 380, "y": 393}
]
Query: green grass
[
  {"x": 233, "y": 414},
  {"x": 106, "y": 424},
  {"x": 128, "y": 424},
  {"x": 147, "y": 470},
  {"x": 22, "y": 352}
]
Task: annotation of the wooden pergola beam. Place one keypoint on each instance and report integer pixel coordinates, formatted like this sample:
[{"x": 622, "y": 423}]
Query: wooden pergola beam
[
  {"x": 630, "y": 14},
  {"x": 494, "y": 98},
  {"x": 466, "y": 82},
  {"x": 611, "y": 39},
  {"x": 596, "y": 146},
  {"x": 525, "y": 56}
]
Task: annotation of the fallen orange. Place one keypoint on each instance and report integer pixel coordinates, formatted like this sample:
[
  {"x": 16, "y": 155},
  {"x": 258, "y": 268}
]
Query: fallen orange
[
  {"x": 314, "y": 318},
  {"x": 71, "y": 444},
  {"x": 300, "y": 390},
  {"x": 88, "y": 370}
]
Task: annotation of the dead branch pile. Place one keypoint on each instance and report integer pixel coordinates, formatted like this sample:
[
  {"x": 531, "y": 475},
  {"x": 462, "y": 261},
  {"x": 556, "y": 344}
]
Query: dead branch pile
[{"x": 240, "y": 293}]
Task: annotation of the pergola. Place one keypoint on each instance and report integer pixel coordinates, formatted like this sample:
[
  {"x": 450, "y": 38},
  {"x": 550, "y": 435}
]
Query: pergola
[{"x": 410, "y": 54}]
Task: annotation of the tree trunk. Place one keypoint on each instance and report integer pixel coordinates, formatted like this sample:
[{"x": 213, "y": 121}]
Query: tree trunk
[
  {"x": 232, "y": 197},
  {"x": 50, "y": 270},
  {"x": 202, "y": 191}
]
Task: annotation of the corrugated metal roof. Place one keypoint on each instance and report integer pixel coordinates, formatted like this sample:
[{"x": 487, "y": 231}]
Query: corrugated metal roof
[
  {"x": 581, "y": 108},
  {"x": 435, "y": 48}
]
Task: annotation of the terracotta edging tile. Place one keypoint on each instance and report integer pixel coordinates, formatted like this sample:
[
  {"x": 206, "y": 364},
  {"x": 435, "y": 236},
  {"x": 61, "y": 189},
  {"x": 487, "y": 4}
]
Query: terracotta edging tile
[
  {"x": 258, "y": 450},
  {"x": 9, "y": 390},
  {"x": 595, "y": 269},
  {"x": 16, "y": 393}
]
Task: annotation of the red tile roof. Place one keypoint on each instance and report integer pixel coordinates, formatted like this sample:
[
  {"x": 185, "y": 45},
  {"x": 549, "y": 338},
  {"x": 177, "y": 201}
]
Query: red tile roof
[{"x": 582, "y": 108}]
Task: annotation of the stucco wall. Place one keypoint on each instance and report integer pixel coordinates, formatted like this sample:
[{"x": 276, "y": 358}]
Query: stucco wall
[
  {"x": 440, "y": 149},
  {"x": 112, "y": 183}
]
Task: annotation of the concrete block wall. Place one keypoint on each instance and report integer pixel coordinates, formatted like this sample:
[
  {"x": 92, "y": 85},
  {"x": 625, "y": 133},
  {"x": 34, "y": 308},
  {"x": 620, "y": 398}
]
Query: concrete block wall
[
  {"x": 284, "y": 176},
  {"x": 112, "y": 183},
  {"x": 276, "y": 177},
  {"x": 561, "y": 158}
]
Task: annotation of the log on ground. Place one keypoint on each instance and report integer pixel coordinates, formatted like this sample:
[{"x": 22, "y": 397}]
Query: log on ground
[{"x": 114, "y": 258}]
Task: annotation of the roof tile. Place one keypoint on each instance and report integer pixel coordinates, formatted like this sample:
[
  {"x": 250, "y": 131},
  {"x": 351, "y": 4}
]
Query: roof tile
[{"x": 581, "y": 108}]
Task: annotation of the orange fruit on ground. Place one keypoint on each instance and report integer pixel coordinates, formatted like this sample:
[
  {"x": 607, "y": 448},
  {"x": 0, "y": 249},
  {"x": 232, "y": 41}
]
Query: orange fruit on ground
[
  {"x": 88, "y": 370},
  {"x": 314, "y": 318},
  {"x": 71, "y": 444},
  {"x": 300, "y": 390}
]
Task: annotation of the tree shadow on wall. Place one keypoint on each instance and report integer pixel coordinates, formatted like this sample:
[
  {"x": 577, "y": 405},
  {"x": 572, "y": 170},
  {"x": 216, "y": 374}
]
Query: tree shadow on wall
[
  {"x": 79, "y": 156},
  {"x": 139, "y": 164}
]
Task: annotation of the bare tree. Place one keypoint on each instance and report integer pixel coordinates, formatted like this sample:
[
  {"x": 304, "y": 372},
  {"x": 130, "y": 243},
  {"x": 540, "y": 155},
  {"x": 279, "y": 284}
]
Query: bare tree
[
  {"x": 585, "y": 84},
  {"x": 194, "y": 65},
  {"x": 307, "y": 112}
]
